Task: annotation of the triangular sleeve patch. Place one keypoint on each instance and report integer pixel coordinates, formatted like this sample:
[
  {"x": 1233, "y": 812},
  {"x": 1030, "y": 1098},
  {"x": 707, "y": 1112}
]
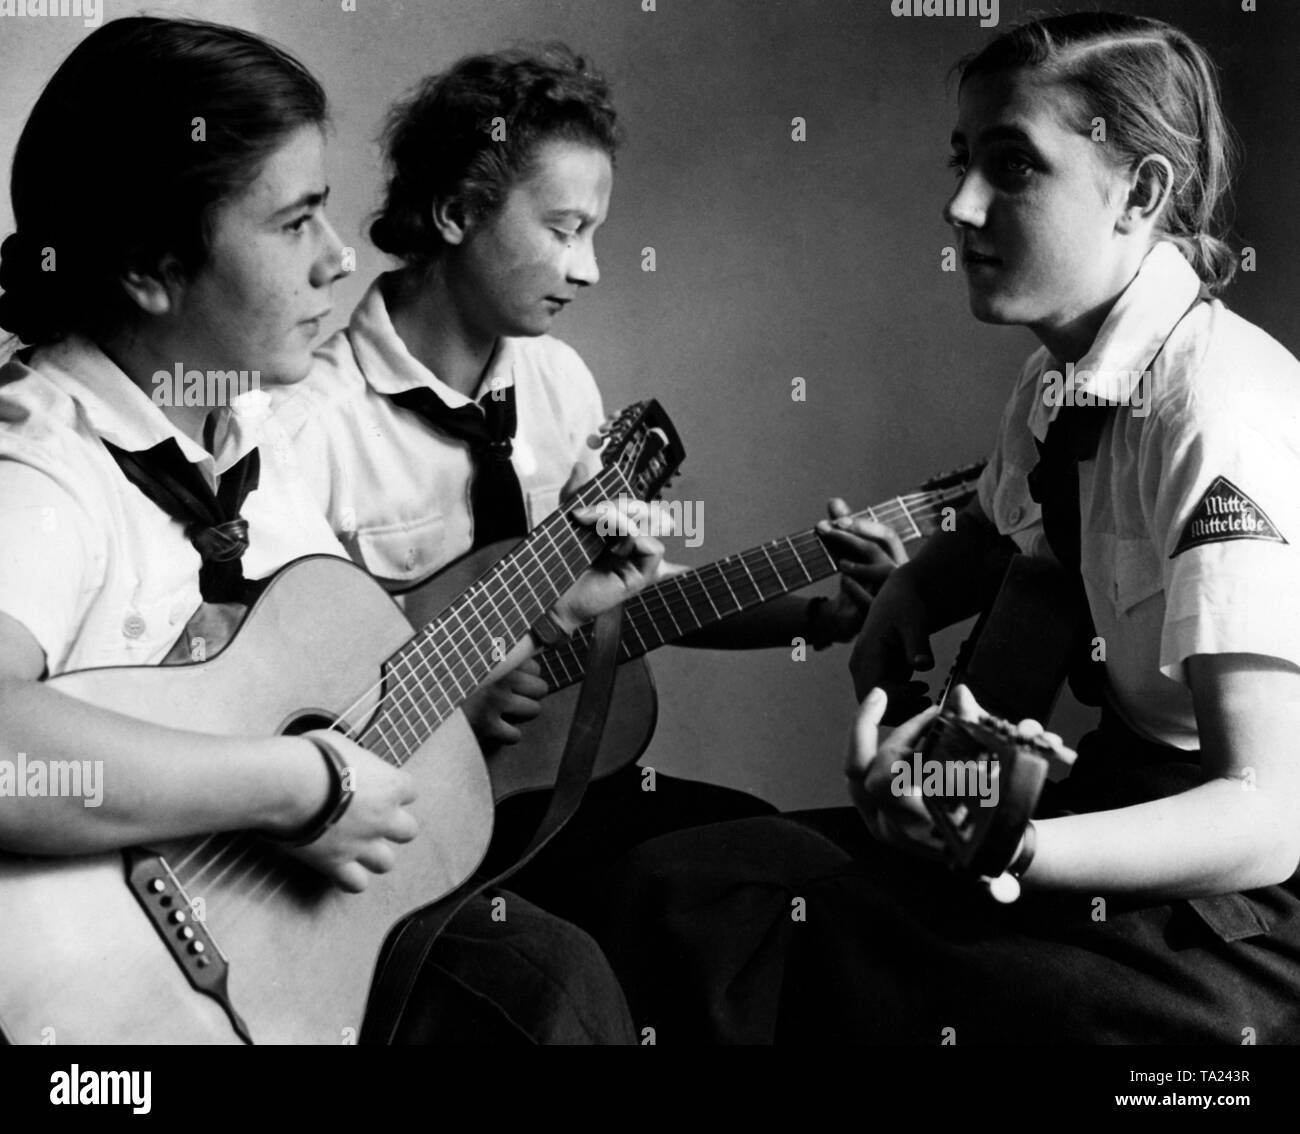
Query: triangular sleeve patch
[{"x": 1226, "y": 513}]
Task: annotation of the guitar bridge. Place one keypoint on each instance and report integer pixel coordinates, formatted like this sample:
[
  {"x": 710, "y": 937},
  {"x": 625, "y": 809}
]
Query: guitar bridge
[{"x": 172, "y": 914}]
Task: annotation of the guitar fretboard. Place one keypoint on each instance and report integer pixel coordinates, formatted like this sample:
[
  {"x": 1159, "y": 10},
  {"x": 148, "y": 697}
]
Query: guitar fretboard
[
  {"x": 694, "y": 599},
  {"x": 430, "y": 677}
]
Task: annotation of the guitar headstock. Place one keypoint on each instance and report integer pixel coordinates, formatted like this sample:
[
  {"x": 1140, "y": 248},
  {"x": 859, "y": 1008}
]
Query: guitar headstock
[
  {"x": 990, "y": 779},
  {"x": 938, "y": 496},
  {"x": 643, "y": 443},
  {"x": 965, "y": 477}
]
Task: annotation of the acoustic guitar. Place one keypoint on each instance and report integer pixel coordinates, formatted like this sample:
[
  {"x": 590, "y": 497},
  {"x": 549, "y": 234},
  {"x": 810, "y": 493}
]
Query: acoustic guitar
[
  {"x": 226, "y": 939},
  {"x": 661, "y": 614}
]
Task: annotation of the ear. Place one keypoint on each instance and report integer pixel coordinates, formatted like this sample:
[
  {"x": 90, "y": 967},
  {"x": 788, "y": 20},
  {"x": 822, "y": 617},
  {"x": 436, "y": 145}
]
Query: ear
[
  {"x": 450, "y": 220},
  {"x": 1149, "y": 187},
  {"x": 155, "y": 290}
]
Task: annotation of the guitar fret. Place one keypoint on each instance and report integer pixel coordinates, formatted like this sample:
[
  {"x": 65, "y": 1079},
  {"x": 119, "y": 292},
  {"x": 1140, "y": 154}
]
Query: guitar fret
[
  {"x": 799, "y": 561},
  {"x": 625, "y": 652},
  {"x": 399, "y": 720},
  {"x": 413, "y": 745},
  {"x": 752, "y": 581},
  {"x": 735, "y": 572},
  {"x": 394, "y": 711},
  {"x": 703, "y": 591},
  {"x": 480, "y": 639},
  {"x": 718, "y": 590},
  {"x": 669, "y": 612},
  {"x": 679, "y": 582},
  {"x": 639, "y": 637},
  {"x": 443, "y": 705},
  {"x": 523, "y": 578},
  {"x": 418, "y": 669},
  {"x": 541, "y": 562},
  {"x": 767, "y": 555},
  {"x": 571, "y": 656},
  {"x": 570, "y": 537},
  {"x": 450, "y": 673},
  {"x": 409, "y": 710},
  {"x": 456, "y": 651},
  {"x": 735, "y": 598},
  {"x": 519, "y": 610},
  {"x": 500, "y": 618},
  {"x": 557, "y": 659},
  {"x": 915, "y": 529}
]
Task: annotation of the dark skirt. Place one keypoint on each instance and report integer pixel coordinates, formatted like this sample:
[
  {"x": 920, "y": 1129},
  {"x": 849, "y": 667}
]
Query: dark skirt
[
  {"x": 803, "y": 929},
  {"x": 531, "y": 974},
  {"x": 505, "y": 973},
  {"x": 570, "y": 875}
]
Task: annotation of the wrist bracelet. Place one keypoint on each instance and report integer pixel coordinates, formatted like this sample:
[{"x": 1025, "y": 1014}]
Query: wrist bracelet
[
  {"x": 1028, "y": 844},
  {"x": 819, "y": 637},
  {"x": 340, "y": 796},
  {"x": 1005, "y": 888},
  {"x": 547, "y": 631}
]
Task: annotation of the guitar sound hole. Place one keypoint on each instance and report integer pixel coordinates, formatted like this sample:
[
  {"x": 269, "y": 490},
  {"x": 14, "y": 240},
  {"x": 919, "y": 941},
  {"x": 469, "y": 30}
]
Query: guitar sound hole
[{"x": 306, "y": 721}]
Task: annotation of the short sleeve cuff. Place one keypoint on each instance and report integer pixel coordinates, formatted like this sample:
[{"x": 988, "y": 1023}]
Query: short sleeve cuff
[{"x": 1252, "y": 613}]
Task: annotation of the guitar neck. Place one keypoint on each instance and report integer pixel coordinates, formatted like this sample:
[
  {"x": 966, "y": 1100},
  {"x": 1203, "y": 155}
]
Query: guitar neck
[
  {"x": 431, "y": 676},
  {"x": 694, "y": 599}
]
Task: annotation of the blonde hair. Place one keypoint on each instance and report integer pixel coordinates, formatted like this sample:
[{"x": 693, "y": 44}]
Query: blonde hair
[{"x": 1157, "y": 92}]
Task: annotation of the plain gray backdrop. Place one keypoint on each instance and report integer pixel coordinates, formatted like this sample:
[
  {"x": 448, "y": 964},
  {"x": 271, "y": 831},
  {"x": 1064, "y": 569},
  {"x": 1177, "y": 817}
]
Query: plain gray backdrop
[{"x": 774, "y": 259}]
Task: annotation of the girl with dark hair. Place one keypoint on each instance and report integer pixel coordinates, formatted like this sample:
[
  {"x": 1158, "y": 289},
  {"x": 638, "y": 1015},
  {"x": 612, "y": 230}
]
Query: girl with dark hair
[
  {"x": 1161, "y": 900},
  {"x": 122, "y": 512}
]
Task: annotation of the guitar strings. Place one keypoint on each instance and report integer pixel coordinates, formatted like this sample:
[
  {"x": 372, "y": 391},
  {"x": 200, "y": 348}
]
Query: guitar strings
[
  {"x": 456, "y": 641},
  {"x": 404, "y": 674},
  {"x": 244, "y": 845},
  {"x": 447, "y": 636},
  {"x": 786, "y": 557},
  {"x": 717, "y": 583}
]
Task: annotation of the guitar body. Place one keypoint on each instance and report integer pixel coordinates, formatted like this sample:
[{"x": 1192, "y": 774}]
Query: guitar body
[
  {"x": 533, "y": 764},
  {"x": 81, "y": 962}
]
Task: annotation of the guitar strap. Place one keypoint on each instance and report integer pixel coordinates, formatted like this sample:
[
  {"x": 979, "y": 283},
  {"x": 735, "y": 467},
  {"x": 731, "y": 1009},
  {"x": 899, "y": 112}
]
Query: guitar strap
[{"x": 411, "y": 943}]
